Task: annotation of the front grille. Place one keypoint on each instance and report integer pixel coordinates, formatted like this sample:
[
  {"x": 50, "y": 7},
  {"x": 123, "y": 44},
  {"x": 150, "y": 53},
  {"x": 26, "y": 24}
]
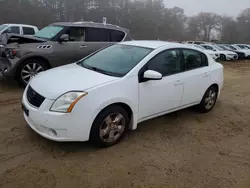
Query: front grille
[{"x": 34, "y": 98}]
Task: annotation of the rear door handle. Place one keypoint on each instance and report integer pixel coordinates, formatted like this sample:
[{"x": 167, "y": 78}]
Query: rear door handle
[
  {"x": 83, "y": 46},
  {"x": 206, "y": 74},
  {"x": 178, "y": 82}
]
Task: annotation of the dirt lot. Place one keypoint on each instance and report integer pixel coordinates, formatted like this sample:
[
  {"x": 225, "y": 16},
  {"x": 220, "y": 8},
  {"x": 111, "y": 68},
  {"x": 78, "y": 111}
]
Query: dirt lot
[{"x": 183, "y": 149}]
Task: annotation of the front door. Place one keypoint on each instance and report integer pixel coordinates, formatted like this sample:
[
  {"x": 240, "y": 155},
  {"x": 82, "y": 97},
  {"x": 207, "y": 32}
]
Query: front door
[{"x": 160, "y": 96}]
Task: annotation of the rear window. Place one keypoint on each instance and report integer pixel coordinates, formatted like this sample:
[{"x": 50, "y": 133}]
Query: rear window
[
  {"x": 28, "y": 31},
  {"x": 103, "y": 35},
  {"x": 96, "y": 35},
  {"x": 116, "y": 36}
]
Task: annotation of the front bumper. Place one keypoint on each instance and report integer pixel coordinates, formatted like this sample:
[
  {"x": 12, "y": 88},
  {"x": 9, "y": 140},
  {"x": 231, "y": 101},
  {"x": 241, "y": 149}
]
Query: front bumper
[
  {"x": 56, "y": 126},
  {"x": 7, "y": 66},
  {"x": 231, "y": 57}
]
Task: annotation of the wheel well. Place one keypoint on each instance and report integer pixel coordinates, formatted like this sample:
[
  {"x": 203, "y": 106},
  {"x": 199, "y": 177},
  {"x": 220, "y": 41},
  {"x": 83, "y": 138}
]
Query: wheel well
[
  {"x": 216, "y": 86},
  {"x": 34, "y": 57},
  {"x": 124, "y": 106}
]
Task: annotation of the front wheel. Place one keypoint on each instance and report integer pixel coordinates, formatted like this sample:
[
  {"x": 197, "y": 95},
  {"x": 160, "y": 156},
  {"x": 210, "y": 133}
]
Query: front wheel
[
  {"x": 209, "y": 99},
  {"x": 28, "y": 69},
  {"x": 109, "y": 126}
]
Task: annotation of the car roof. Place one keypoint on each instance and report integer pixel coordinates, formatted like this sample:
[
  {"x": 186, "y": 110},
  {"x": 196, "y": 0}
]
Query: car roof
[
  {"x": 154, "y": 44},
  {"x": 91, "y": 24},
  {"x": 12, "y": 24}
]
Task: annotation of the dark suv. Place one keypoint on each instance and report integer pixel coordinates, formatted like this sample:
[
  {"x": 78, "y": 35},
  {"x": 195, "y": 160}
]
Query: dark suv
[{"x": 55, "y": 45}]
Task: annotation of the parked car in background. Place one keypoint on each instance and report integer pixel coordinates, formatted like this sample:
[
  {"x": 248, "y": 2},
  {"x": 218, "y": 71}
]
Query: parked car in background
[
  {"x": 215, "y": 55},
  {"x": 224, "y": 54},
  {"x": 103, "y": 95},
  {"x": 20, "y": 29},
  {"x": 242, "y": 54},
  {"x": 243, "y": 46},
  {"x": 195, "y": 42},
  {"x": 55, "y": 45}
]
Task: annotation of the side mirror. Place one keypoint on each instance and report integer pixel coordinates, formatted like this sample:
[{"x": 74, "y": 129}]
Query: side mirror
[
  {"x": 64, "y": 38},
  {"x": 152, "y": 75}
]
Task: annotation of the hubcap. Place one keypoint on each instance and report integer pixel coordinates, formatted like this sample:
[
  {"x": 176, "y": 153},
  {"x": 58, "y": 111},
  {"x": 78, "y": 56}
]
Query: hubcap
[
  {"x": 210, "y": 100},
  {"x": 112, "y": 128},
  {"x": 30, "y": 70}
]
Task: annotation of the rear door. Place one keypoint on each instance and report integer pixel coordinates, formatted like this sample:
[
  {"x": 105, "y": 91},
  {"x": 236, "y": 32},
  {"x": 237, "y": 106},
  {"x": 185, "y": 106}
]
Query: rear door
[{"x": 196, "y": 76}]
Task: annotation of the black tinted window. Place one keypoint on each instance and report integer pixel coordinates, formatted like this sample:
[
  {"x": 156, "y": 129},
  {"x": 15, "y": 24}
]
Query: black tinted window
[
  {"x": 28, "y": 31},
  {"x": 116, "y": 36},
  {"x": 166, "y": 63},
  {"x": 194, "y": 59},
  {"x": 97, "y": 35},
  {"x": 13, "y": 29}
]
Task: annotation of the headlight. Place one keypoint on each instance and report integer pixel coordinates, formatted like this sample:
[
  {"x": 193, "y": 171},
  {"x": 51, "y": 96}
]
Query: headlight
[{"x": 67, "y": 101}]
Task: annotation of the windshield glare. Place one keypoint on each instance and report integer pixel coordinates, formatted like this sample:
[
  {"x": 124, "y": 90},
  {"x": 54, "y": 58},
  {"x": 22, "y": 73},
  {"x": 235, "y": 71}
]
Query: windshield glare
[
  {"x": 48, "y": 32},
  {"x": 2, "y": 27},
  {"x": 116, "y": 60}
]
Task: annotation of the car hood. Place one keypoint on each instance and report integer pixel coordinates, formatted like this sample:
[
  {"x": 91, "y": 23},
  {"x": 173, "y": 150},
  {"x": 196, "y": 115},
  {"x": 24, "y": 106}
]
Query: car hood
[
  {"x": 4, "y": 38},
  {"x": 211, "y": 52},
  {"x": 55, "y": 82}
]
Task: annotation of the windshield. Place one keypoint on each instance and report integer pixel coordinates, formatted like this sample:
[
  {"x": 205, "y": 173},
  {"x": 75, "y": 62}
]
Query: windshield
[
  {"x": 236, "y": 47},
  {"x": 223, "y": 47},
  {"x": 116, "y": 60},
  {"x": 2, "y": 27},
  {"x": 198, "y": 46},
  {"x": 48, "y": 32},
  {"x": 217, "y": 47}
]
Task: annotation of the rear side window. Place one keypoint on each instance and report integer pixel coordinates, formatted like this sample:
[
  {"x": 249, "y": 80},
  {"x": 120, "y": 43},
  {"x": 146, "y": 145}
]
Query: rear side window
[
  {"x": 207, "y": 47},
  {"x": 13, "y": 29},
  {"x": 194, "y": 59},
  {"x": 96, "y": 35},
  {"x": 28, "y": 31},
  {"x": 116, "y": 36}
]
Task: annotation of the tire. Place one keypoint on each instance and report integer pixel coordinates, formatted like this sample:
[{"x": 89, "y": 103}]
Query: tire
[
  {"x": 212, "y": 93},
  {"x": 27, "y": 68},
  {"x": 101, "y": 133},
  {"x": 223, "y": 58}
]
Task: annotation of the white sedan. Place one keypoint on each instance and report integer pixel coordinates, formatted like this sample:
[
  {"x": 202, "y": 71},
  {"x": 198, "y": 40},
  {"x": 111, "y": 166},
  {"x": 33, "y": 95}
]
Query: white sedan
[{"x": 103, "y": 95}]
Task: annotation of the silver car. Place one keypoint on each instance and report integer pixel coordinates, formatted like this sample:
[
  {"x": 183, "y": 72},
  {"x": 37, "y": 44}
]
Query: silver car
[{"x": 23, "y": 57}]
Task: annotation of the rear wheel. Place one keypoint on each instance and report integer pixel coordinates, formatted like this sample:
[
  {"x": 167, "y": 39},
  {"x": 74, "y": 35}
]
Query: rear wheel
[
  {"x": 209, "y": 99},
  {"x": 28, "y": 69},
  {"x": 109, "y": 126}
]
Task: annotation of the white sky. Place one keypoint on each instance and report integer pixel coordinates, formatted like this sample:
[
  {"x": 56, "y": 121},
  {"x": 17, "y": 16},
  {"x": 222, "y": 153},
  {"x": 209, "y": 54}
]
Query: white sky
[{"x": 222, "y": 7}]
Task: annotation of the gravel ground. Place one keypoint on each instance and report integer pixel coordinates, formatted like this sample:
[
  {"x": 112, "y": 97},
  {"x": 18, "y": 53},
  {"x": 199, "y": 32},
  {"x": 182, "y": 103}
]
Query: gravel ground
[{"x": 183, "y": 149}]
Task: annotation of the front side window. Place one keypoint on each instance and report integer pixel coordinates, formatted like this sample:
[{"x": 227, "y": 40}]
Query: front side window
[
  {"x": 166, "y": 63},
  {"x": 13, "y": 29},
  {"x": 28, "y": 31},
  {"x": 76, "y": 34},
  {"x": 49, "y": 32},
  {"x": 194, "y": 59},
  {"x": 116, "y": 60}
]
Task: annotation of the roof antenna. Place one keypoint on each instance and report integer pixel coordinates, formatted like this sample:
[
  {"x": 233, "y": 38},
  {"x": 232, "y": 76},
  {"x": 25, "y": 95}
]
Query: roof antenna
[{"x": 104, "y": 20}]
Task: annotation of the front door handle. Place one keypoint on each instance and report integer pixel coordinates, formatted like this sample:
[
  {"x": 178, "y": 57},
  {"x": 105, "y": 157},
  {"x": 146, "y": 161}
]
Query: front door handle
[
  {"x": 83, "y": 46},
  {"x": 178, "y": 82}
]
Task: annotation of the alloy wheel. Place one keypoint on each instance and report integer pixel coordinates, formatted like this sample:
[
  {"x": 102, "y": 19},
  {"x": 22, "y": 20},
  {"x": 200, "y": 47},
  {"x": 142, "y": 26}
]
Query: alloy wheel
[{"x": 30, "y": 70}]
